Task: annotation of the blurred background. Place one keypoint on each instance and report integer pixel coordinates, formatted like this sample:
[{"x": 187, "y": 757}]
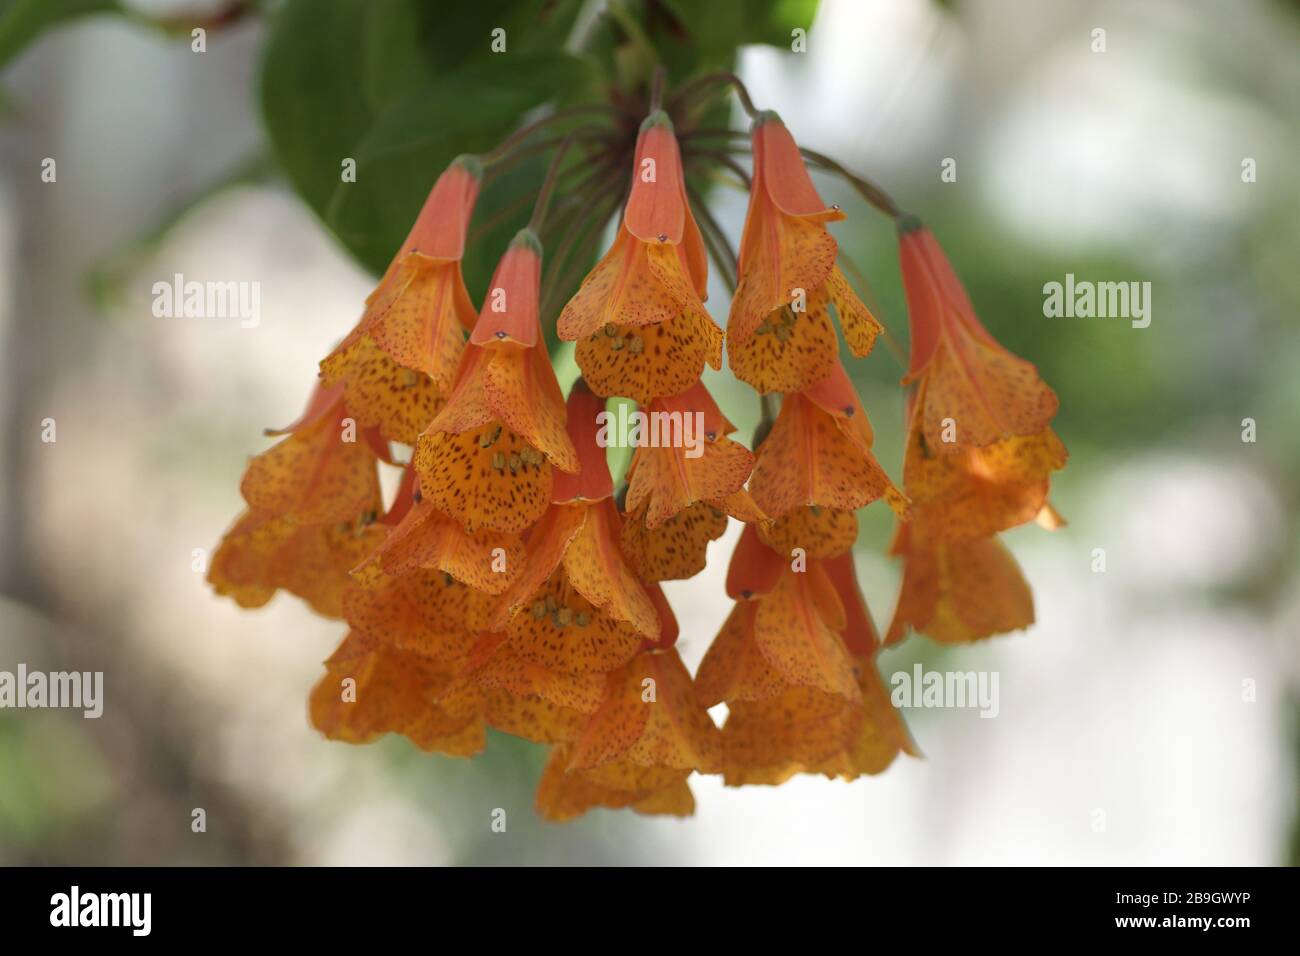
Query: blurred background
[{"x": 1125, "y": 704}]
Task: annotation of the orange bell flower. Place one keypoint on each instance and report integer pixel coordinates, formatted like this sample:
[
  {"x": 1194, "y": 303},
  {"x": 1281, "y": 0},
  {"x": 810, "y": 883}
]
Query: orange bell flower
[
  {"x": 815, "y": 468},
  {"x": 664, "y": 480},
  {"x": 639, "y": 317},
  {"x": 779, "y": 334},
  {"x": 418, "y": 314},
  {"x": 795, "y": 665},
  {"x": 261, "y": 554},
  {"x": 638, "y": 749},
  {"x": 371, "y": 689},
  {"x": 487, "y": 458},
  {"x": 957, "y": 591},
  {"x": 575, "y": 604},
  {"x": 312, "y": 500},
  {"x": 975, "y": 392}
]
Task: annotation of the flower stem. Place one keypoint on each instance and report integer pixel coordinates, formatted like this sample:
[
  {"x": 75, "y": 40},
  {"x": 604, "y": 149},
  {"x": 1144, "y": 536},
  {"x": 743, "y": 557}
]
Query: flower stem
[
  {"x": 866, "y": 189},
  {"x": 504, "y": 147},
  {"x": 703, "y": 83},
  {"x": 657, "y": 88},
  {"x": 715, "y": 238},
  {"x": 548, "y": 184}
]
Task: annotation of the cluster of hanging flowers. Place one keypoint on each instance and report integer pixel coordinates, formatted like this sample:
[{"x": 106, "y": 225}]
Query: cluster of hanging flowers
[{"x": 509, "y": 584}]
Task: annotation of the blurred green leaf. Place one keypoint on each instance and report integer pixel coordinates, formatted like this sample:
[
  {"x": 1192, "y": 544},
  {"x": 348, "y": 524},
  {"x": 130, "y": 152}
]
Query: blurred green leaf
[
  {"x": 22, "y": 21},
  {"x": 411, "y": 141},
  {"x": 718, "y": 28},
  {"x": 403, "y": 87}
]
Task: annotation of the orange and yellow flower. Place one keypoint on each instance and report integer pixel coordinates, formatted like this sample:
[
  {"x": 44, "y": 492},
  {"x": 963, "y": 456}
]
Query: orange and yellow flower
[
  {"x": 312, "y": 502},
  {"x": 975, "y": 392},
  {"x": 779, "y": 334},
  {"x": 509, "y": 586},
  {"x": 576, "y": 605},
  {"x": 397, "y": 365},
  {"x": 980, "y": 454},
  {"x": 639, "y": 317},
  {"x": 487, "y": 459},
  {"x": 679, "y": 493},
  {"x": 815, "y": 469},
  {"x": 638, "y": 749},
  {"x": 795, "y": 665}
]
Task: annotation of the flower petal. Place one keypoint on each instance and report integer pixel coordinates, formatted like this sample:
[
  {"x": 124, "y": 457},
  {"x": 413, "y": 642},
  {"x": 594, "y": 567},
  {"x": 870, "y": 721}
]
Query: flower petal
[
  {"x": 978, "y": 492},
  {"x": 547, "y": 542},
  {"x": 399, "y": 401},
  {"x": 734, "y": 668},
  {"x": 315, "y": 476},
  {"x": 766, "y": 741},
  {"x": 820, "y": 532},
  {"x": 807, "y": 459},
  {"x": 620, "y": 290},
  {"x": 958, "y": 591},
  {"x": 656, "y": 208},
  {"x": 560, "y": 629},
  {"x": 262, "y": 553},
  {"x": 859, "y": 633},
  {"x": 856, "y": 321},
  {"x": 596, "y": 568},
  {"x": 755, "y": 568},
  {"x": 652, "y": 718},
  {"x": 648, "y": 362},
  {"x": 666, "y": 481},
  {"x": 487, "y": 478},
  {"x": 394, "y": 693},
  {"x": 425, "y": 539},
  {"x": 493, "y": 664},
  {"x": 510, "y": 316},
  {"x": 676, "y": 549},
  {"x": 794, "y": 635},
  {"x": 420, "y": 316},
  {"x": 519, "y": 387},
  {"x": 426, "y": 612},
  {"x": 789, "y": 351}
]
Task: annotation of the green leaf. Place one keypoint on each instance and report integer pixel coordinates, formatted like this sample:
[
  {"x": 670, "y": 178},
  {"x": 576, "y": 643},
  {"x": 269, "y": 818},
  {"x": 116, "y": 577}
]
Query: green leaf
[
  {"x": 22, "y": 21},
  {"x": 715, "y": 30},
  {"x": 402, "y": 87},
  {"x": 414, "y": 139}
]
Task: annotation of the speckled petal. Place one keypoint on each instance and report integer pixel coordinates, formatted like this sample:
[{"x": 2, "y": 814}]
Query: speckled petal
[
  {"x": 734, "y": 668},
  {"x": 958, "y": 591},
  {"x": 315, "y": 476},
  {"x": 859, "y": 326},
  {"x": 421, "y": 322},
  {"x": 675, "y": 550},
  {"x": 596, "y": 568},
  {"x": 820, "y": 532},
  {"x": 399, "y": 401},
  {"x": 649, "y": 362},
  {"x": 794, "y": 636},
  {"x": 620, "y": 290},
  {"x": 519, "y": 387},
  {"x": 558, "y": 628},
  {"x": 487, "y": 560},
  {"x": 789, "y": 351},
  {"x": 807, "y": 459},
  {"x": 486, "y": 478},
  {"x": 394, "y": 693}
]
